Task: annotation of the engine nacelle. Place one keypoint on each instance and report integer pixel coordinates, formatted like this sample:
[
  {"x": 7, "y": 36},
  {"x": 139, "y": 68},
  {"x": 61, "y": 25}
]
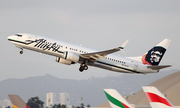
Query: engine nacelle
[
  {"x": 71, "y": 56},
  {"x": 61, "y": 60}
]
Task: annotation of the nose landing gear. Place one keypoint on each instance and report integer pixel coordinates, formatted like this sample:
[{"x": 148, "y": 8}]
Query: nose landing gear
[{"x": 21, "y": 52}]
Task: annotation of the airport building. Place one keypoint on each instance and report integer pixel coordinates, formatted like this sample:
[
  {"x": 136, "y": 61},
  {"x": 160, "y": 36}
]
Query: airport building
[
  {"x": 50, "y": 99},
  {"x": 5, "y": 103},
  {"x": 64, "y": 99}
]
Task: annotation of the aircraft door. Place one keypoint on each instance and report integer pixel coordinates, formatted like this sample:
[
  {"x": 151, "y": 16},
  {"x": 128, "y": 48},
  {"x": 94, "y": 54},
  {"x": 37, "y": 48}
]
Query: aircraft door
[{"x": 31, "y": 37}]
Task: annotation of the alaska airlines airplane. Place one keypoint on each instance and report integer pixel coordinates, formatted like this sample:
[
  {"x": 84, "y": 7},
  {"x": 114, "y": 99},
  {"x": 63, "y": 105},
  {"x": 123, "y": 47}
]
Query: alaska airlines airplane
[
  {"x": 115, "y": 99},
  {"x": 17, "y": 102},
  {"x": 68, "y": 54},
  {"x": 156, "y": 98}
]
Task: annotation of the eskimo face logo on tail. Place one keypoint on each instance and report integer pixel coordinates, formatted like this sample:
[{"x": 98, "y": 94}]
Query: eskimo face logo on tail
[{"x": 154, "y": 56}]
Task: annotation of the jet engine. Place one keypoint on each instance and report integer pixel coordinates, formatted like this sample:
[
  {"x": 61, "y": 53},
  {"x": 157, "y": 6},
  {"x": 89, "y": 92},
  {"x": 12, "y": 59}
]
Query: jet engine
[
  {"x": 64, "y": 61},
  {"x": 71, "y": 56}
]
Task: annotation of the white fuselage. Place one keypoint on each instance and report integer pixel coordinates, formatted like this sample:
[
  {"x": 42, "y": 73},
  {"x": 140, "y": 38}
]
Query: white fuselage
[{"x": 57, "y": 48}]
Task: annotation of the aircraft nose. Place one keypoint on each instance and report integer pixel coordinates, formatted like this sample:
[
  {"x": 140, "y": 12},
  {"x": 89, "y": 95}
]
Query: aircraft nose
[{"x": 10, "y": 37}]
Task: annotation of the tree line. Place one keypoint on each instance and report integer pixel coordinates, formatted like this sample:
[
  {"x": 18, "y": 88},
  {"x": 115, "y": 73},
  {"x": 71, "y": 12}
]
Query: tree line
[{"x": 35, "y": 102}]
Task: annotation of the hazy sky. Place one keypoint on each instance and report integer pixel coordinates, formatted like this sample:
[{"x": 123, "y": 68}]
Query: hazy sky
[{"x": 97, "y": 24}]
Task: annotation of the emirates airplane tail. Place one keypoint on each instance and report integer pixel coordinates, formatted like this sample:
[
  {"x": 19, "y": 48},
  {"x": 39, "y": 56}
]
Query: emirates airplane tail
[
  {"x": 115, "y": 99},
  {"x": 17, "y": 102},
  {"x": 156, "y": 98}
]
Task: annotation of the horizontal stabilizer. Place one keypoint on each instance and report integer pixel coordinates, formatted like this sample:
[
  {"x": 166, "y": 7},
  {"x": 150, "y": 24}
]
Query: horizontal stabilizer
[{"x": 158, "y": 67}]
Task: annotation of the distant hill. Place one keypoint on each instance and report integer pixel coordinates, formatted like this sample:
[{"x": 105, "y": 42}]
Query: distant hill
[{"x": 91, "y": 89}]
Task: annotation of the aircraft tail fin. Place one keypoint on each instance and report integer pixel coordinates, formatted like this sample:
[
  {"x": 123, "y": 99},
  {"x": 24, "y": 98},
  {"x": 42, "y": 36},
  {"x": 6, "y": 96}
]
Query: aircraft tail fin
[
  {"x": 17, "y": 102},
  {"x": 156, "y": 98},
  {"x": 154, "y": 55},
  {"x": 115, "y": 99}
]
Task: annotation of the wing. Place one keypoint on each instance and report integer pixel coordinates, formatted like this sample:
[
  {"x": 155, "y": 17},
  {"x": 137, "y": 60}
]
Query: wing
[{"x": 102, "y": 54}]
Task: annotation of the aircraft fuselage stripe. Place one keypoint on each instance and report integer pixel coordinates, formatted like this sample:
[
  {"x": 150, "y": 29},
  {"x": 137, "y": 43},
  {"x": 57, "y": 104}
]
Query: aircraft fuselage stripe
[
  {"x": 30, "y": 43},
  {"x": 117, "y": 66},
  {"x": 18, "y": 41}
]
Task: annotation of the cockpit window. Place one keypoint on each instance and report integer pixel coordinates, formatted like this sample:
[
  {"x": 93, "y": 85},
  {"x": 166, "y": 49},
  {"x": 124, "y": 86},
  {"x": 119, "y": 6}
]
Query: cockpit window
[{"x": 18, "y": 35}]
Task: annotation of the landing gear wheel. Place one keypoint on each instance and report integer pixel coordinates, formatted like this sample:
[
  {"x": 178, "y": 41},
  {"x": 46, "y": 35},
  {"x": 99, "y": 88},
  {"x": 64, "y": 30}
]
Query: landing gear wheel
[
  {"x": 21, "y": 52},
  {"x": 81, "y": 69},
  {"x": 85, "y": 67}
]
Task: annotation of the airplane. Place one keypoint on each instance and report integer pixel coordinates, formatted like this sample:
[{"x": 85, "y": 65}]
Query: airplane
[
  {"x": 115, "y": 99},
  {"x": 68, "y": 54},
  {"x": 17, "y": 102},
  {"x": 156, "y": 98}
]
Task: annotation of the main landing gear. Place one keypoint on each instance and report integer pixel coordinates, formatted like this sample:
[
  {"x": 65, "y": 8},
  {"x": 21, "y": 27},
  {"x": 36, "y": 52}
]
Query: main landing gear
[{"x": 83, "y": 67}]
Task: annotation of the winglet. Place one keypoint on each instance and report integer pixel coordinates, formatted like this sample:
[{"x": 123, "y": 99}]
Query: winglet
[{"x": 124, "y": 44}]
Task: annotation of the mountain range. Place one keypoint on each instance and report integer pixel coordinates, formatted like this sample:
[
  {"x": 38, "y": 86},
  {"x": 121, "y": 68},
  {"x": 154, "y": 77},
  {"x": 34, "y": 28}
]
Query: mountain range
[{"x": 90, "y": 89}]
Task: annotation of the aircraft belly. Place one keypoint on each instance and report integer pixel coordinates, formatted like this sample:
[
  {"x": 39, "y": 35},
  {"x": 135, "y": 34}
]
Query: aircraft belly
[
  {"x": 17, "y": 44},
  {"x": 107, "y": 67},
  {"x": 102, "y": 66}
]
